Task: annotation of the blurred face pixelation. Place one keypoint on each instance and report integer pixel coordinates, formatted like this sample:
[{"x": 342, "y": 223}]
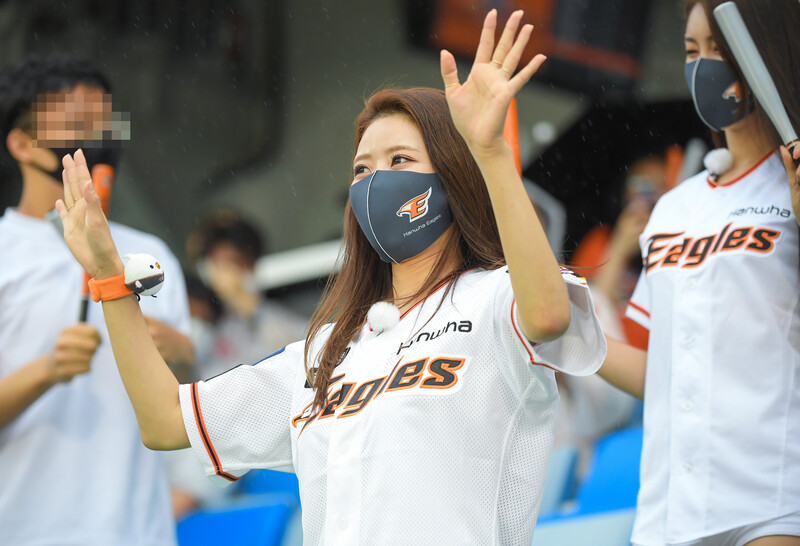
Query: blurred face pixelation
[
  {"x": 392, "y": 142},
  {"x": 78, "y": 117}
]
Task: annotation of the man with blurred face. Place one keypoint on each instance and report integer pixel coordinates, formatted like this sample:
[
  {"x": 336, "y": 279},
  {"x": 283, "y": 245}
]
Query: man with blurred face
[{"x": 77, "y": 472}]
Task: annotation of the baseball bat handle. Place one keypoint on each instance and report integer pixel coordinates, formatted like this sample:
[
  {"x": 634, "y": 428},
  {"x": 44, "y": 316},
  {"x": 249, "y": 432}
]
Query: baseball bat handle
[
  {"x": 84, "y": 298},
  {"x": 755, "y": 71},
  {"x": 791, "y": 146},
  {"x": 84, "y": 309},
  {"x": 103, "y": 181}
]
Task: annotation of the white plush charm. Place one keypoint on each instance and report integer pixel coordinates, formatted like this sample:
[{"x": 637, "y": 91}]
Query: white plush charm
[
  {"x": 383, "y": 316},
  {"x": 718, "y": 162},
  {"x": 143, "y": 274}
]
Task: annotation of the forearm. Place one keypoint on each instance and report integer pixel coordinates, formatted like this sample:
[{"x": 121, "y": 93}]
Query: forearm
[
  {"x": 540, "y": 292},
  {"x": 185, "y": 351},
  {"x": 611, "y": 273},
  {"x": 22, "y": 388},
  {"x": 624, "y": 367},
  {"x": 151, "y": 386}
]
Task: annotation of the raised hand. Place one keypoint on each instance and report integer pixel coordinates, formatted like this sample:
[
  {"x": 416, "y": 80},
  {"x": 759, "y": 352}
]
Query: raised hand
[
  {"x": 479, "y": 105},
  {"x": 86, "y": 229},
  {"x": 630, "y": 224}
]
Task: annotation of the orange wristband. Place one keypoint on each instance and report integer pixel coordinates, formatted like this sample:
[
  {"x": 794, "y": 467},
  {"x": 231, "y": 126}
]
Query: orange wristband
[{"x": 112, "y": 288}]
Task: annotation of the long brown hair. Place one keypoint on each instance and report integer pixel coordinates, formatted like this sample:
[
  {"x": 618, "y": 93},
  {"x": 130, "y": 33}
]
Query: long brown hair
[
  {"x": 363, "y": 278},
  {"x": 774, "y": 25}
]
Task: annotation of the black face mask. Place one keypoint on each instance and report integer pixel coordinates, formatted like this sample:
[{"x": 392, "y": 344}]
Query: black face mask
[
  {"x": 94, "y": 156},
  {"x": 401, "y": 213},
  {"x": 715, "y": 91}
]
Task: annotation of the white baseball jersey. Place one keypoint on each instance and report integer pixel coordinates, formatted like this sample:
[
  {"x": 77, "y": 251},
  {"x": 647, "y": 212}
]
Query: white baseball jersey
[
  {"x": 437, "y": 431},
  {"x": 720, "y": 295},
  {"x": 76, "y": 471}
]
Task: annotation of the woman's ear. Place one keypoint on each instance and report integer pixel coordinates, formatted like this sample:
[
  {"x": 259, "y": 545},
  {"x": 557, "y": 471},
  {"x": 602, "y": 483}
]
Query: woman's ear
[{"x": 19, "y": 145}]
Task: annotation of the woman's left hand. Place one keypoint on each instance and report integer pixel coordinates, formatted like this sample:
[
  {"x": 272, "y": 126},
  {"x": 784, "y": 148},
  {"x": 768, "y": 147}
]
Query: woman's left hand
[
  {"x": 793, "y": 171},
  {"x": 479, "y": 105},
  {"x": 86, "y": 229}
]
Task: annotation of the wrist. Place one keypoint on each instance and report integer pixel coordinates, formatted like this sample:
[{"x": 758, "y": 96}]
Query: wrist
[
  {"x": 112, "y": 269},
  {"x": 44, "y": 372},
  {"x": 496, "y": 150},
  {"x": 110, "y": 288}
]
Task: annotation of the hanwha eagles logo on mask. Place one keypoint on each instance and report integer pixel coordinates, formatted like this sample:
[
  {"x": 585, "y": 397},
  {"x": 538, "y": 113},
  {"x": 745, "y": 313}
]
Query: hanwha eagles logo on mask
[
  {"x": 416, "y": 207},
  {"x": 733, "y": 91}
]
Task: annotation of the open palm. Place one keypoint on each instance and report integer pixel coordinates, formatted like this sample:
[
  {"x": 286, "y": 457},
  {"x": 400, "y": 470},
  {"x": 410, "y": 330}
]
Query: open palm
[
  {"x": 86, "y": 229},
  {"x": 479, "y": 105}
]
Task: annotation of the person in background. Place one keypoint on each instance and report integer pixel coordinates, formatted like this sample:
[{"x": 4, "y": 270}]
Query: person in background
[
  {"x": 225, "y": 248},
  {"x": 77, "y": 473},
  {"x": 232, "y": 324},
  {"x": 718, "y": 293},
  {"x": 609, "y": 258}
]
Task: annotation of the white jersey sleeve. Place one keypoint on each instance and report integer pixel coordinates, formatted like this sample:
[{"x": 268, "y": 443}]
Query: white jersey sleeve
[
  {"x": 239, "y": 420},
  {"x": 580, "y": 350},
  {"x": 639, "y": 305}
]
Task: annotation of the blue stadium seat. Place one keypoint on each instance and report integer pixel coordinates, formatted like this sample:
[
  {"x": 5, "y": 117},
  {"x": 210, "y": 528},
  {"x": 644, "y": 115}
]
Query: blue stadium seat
[
  {"x": 560, "y": 479},
  {"x": 258, "y": 482},
  {"x": 601, "y": 529},
  {"x": 257, "y": 521},
  {"x": 612, "y": 481}
]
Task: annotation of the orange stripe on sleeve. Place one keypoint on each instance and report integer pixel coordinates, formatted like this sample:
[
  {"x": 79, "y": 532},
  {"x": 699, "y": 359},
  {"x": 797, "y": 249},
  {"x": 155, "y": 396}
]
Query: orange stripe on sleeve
[
  {"x": 522, "y": 338},
  {"x": 201, "y": 427}
]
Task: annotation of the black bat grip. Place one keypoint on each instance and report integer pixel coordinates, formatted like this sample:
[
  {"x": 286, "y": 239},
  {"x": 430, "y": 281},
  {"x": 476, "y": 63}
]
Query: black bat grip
[
  {"x": 84, "y": 309},
  {"x": 791, "y": 147}
]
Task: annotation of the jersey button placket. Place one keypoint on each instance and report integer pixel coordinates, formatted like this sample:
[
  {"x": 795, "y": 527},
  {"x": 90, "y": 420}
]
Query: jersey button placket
[
  {"x": 690, "y": 373},
  {"x": 343, "y": 510}
]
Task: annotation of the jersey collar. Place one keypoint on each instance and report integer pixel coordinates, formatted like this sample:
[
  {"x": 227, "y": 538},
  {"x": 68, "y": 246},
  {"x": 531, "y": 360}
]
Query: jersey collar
[{"x": 714, "y": 184}]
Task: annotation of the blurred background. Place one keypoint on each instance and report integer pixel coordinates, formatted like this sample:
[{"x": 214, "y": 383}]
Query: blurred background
[{"x": 250, "y": 104}]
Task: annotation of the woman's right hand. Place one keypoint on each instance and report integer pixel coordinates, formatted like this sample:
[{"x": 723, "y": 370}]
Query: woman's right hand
[
  {"x": 86, "y": 229},
  {"x": 630, "y": 224}
]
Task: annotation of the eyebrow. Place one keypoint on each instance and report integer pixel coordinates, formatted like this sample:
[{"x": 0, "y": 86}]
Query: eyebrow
[{"x": 388, "y": 150}]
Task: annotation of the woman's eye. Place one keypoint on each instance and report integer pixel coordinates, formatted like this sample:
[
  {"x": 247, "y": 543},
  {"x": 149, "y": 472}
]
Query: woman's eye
[
  {"x": 691, "y": 53},
  {"x": 359, "y": 169},
  {"x": 398, "y": 159}
]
